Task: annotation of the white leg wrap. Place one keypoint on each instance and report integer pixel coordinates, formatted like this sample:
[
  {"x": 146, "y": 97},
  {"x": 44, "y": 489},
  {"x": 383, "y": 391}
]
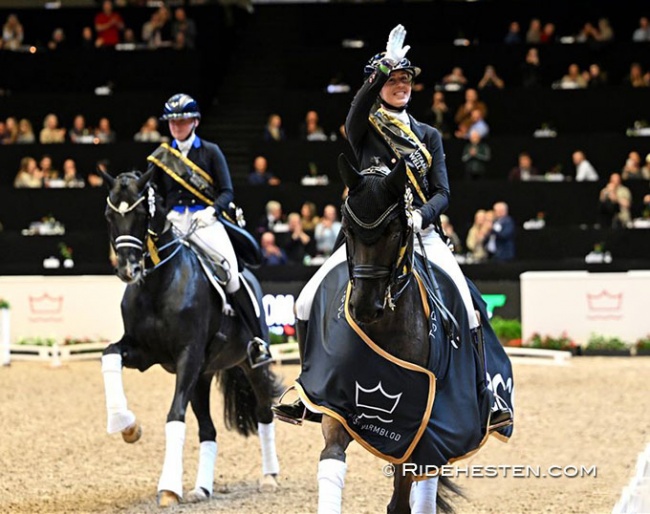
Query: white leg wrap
[
  {"x": 423, "y": 496},
  {"x": 270, "y": 464},
  {"x": 171, "y": 478},
  {"x": 331, "y": 479},
  {"x": 207, "y": 459},
  {"x": 119, "y": 417}
]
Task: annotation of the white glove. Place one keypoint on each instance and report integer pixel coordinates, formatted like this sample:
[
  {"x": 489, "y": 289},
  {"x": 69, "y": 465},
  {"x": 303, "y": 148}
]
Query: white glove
[
  {"x": 204, "y": 217},
  {"x": 417, "y": 221},
  {"x": 395, "y": 51}
]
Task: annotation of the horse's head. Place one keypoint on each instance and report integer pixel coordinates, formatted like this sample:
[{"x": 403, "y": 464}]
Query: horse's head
[
  {"x": 132, "y": 211},
  {"x": 378, "y": 236}
]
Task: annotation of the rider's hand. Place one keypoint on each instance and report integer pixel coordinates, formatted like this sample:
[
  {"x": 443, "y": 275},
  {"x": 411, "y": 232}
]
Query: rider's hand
[
  {"x": 204, "y": 217},
  {"x": 395, "y": 49},
  {"x": 417, "y": 221}
]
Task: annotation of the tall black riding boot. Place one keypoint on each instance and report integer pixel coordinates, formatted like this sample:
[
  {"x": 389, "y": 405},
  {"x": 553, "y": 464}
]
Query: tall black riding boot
[
  {"x": 502, "y": 416},
  {"x": 296, "y": 412},
  {"x": 258, "y": 349}
]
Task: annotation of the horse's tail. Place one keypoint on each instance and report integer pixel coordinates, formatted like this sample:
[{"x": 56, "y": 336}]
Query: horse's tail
[
  {"x": 446, "y": 492},
  {"x": 240, "y": 403}
]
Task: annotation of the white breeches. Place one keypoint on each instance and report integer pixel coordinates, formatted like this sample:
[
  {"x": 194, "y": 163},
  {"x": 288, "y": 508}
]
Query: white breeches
[
  {"x": 437, "y": 252},
  {"x": 213, "y": 240},
  {"x": 440, "y": 254}
]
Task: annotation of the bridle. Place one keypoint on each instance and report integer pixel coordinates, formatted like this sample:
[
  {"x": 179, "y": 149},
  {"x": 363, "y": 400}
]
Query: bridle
[
  {"x": 130, "y": 241},
  {"x": 399, "y": 271}
]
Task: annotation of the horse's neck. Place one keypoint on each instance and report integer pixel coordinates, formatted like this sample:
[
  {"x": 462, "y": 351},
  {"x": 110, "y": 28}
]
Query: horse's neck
[{"x": 404, "y": 332}]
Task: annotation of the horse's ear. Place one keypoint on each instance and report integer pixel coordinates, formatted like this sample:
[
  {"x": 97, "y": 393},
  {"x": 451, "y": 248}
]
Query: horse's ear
[
  {"x": 351, "y": 177},
  {"x": 396, "y": 179},
  {"x": 107, "y": 178},
  {"x": 144, "y": 179}
]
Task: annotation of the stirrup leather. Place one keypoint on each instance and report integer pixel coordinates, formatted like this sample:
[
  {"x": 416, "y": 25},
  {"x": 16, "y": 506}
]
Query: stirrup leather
[{"x": 258, "y": 353}]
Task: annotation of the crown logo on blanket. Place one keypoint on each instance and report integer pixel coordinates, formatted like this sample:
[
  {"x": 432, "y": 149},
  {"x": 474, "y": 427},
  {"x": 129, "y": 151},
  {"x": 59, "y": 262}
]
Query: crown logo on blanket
[
  {"x": 376, "y": 398},
  {"x": 45, "y": 304},
  {"x": 604, "y": 301}
]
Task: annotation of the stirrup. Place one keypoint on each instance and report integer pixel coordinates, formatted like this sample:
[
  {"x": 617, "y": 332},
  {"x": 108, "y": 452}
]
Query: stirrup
[
  {"x": 263, "y": 356},
  {"x": 277, "y": 409},
  {"x": 502, "y": 419}
]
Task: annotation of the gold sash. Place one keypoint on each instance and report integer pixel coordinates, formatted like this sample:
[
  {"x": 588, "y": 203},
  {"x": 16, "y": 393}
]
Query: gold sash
[
  {"x": 185, "y": 172},
  {"x": 404, "y": 143}
]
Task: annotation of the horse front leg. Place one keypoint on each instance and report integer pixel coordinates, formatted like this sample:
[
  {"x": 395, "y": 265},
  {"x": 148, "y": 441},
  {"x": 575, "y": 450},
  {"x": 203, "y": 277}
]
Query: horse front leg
[
  {"x": 170, "y": 484},
  {"x": 119, "y": 417},
  {"x": 332, "y": 467},
  {"x": 263, "y": 382},
  {"x": 204, "y": 485}
]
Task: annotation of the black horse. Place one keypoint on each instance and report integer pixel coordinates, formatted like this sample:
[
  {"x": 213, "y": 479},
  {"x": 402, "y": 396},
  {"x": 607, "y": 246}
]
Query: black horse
[
  {"x": 174, "y": 316},
  {"x": 381, "y": 345}
]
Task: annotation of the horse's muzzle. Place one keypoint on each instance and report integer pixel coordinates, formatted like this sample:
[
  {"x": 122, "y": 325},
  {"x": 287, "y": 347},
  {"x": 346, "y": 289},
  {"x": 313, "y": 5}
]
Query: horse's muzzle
[{"x": 130, "y": 272}]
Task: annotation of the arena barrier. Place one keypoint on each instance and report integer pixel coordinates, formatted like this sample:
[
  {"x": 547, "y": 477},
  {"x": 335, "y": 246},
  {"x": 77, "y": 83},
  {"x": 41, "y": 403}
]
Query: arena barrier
[
  {"x": 538, "y": 356},
  {"x": 635, "y": 497},
  {"x": 5, "y": 340}
]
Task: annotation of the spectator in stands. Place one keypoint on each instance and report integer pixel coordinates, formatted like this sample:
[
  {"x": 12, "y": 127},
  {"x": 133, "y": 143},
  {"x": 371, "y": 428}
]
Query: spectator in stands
[
  {"x": 272, "y": 254},
  {"x": 476, "y": 156},
  {"x": 455, "y": 80},
  {"x": 26, "y": 134},
  {"x": 3, "y": 131},
  {"x": 479, "y": 124},
  {"x": 156, "y": 32},
  {"x": 104, "y": 133},
  {"x": 645, "y": 208},
  {"x": 29, "y": 174},
  {"x": 70, "y": 175},
  {"x": 531, "y": 70},
  {"x": 501, "y": 239},
  {"x": 645, "y": 170},
  {"x": 50, "y": 173},
  {"x": 524, "y": 170},
  {"x": 642, "y": 33},
  {"x": 51, "y": 132},
  {"x": 58, "y": 40},
  {"x": 12, "y": 33},
  {"x": 584, "y": 169},
  {"x": 534, "y": 33},
  {"x": 94, "y": 178},
  {"x": 595, "y": 77},
  {"x": 573, "y": 78},
  {"x": 548, "y": 34},
  {"x": 260, "y": 175},
  {"x": 490, "y": 79},
  {"x": 463, "y": 117},
  {"x": 300, "y": 243},
  {"x": 633, "y": 169},
  {"x": 11, "y": 131},
  {"x": 273, "y": 130},
  {"x": 605, "y": 30},
  {"x": 88, "y": 41},
  {"x": 477, "y": 236},
  {"x": 327, "y": 230},
  {"x": 588, "y": 33},
  {"x": 439, "y": 115},
  {"x": 148, "y": 132},
  {"x": 311, "y": 130},
  {"x": 274, "y": 220},
  {"x": 79, "y": 133},
  {"x": 448, "y": 230},
  {"x": 636, "y": 77},
  {"x": 615, "y": 201},
  {"x": 182, "y": 24},
  {"x": 513, "y": 36},
  {"x": 109, "y": 25},
  {"x": 309, "y": 216}
]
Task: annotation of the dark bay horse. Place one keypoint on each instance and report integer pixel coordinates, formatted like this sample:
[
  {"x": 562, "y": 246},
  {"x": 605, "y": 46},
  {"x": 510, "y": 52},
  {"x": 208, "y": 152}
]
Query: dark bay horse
[
  {"x": 173, "y": 316},
  {"x": 379, "y": 350}
]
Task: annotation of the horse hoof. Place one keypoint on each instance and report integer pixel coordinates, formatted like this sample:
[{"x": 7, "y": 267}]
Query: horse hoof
[
  {"x": 132, "y": 434},
  {"x": 168, "y": 499},
  {"x": 268, "y": 484},
  {"x": 197, "y": 495}
]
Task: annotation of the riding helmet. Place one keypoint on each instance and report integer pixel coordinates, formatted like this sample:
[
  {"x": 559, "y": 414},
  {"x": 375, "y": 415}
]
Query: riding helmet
[
  {"x": 404, "y": 64},
  {"x": 180, "y": 106}
]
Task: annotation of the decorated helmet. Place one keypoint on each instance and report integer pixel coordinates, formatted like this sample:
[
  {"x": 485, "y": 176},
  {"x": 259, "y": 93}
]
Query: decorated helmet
[
  {"x": 180, "y": 106},
  {"x": 404, "y": 64}
]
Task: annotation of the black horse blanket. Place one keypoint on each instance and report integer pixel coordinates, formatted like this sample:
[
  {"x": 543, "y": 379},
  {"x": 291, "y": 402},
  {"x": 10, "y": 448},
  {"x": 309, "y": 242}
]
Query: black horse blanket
[{"x": 395, "y": 409}]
